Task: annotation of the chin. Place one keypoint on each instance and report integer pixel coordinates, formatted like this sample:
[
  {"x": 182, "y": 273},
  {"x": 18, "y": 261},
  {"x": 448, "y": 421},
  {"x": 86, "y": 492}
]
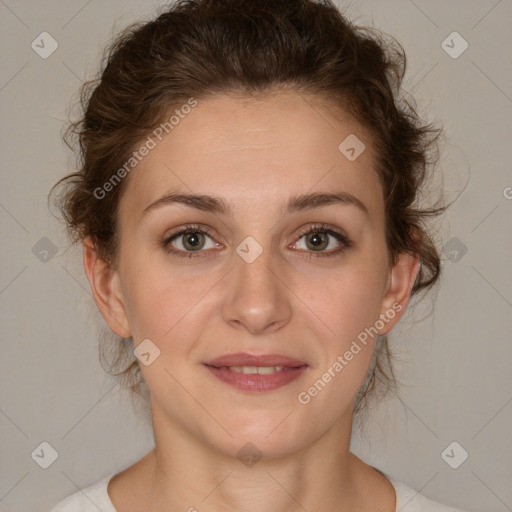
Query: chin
[{"x": 262, "y": 436}]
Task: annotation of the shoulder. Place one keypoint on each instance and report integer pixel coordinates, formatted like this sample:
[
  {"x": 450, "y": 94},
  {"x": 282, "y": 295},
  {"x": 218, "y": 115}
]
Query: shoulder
[
  {"x": 409, "y": 500},
  {"x": 91, "y": 499}
]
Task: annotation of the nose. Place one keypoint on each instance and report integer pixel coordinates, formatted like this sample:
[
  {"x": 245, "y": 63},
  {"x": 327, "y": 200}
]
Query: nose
[{"x": 257, "y": 298}]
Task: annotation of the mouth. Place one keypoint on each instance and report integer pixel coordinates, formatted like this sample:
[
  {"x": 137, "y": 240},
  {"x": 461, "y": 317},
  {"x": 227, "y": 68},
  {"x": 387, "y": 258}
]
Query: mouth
[{"x": 256, "y": 373}]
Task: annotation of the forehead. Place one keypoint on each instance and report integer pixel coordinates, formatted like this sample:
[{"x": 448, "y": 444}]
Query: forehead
[{"x": 254, "y": 151}]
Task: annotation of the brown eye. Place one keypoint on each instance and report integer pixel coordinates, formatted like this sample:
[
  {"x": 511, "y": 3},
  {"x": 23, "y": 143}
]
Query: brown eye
[
  {"x": 317, "y": 240},
  {"x": 193, "y": 241},
  {"x": 189, "y": 240}
]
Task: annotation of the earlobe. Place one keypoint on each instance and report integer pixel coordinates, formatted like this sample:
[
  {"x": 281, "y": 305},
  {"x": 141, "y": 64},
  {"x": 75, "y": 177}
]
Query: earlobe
[
  {"x": 106, "y": 290},
  {"x": 401, "y": 281}
]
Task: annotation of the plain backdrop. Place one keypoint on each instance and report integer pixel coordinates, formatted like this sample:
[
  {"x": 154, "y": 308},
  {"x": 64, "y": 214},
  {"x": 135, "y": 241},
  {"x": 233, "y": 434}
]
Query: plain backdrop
[{"x": 455, "y": 365}]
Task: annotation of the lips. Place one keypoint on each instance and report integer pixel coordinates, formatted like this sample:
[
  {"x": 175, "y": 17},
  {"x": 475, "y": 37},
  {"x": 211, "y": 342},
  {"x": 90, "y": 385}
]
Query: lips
[
  {"x": 252, "y": 360},
  {"x": 256, "y": 372}
]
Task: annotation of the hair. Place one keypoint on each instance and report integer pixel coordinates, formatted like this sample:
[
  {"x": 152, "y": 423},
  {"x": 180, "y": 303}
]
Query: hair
[{"x": 201, "y": 48}]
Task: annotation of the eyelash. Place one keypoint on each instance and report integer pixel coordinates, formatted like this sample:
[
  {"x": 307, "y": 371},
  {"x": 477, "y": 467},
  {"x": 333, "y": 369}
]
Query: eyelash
[{"x": 316, "y": 228}]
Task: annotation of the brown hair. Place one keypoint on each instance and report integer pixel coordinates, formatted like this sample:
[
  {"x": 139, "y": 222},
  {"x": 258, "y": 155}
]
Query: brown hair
[{"x": 197, "y": 48}]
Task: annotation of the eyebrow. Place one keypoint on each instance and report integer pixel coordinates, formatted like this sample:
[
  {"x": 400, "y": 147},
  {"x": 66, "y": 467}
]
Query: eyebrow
[{"x": 296, "y": 203}]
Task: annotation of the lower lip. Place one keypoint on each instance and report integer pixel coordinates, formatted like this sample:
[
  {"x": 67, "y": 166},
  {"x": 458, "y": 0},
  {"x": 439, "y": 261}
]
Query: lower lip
[{"x": 256, "y": 382}]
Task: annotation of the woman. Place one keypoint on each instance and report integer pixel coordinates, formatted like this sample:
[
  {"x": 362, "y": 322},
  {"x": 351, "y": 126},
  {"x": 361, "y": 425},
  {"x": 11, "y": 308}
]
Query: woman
[{"x": 247, "y": 204}]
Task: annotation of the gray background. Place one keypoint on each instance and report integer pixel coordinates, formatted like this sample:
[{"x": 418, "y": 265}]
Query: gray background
[{"x": 455, "y": 364}]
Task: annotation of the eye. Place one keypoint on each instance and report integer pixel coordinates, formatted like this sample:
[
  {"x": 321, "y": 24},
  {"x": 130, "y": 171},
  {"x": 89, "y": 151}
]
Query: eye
[
  {"x": 188, "y": 240},
  {"x": 320, "y": 237},
  {"x": 192, "y": 241}
]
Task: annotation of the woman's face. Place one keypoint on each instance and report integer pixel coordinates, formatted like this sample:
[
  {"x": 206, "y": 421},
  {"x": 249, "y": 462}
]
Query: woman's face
[{"x": 248, "y": 278}]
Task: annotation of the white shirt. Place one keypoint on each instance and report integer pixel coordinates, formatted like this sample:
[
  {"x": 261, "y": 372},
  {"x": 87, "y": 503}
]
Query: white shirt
[{"x": 95, "y": 498}]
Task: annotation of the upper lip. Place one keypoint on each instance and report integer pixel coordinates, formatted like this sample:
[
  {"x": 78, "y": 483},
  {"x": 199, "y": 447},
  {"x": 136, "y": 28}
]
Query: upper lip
[{"x": 242, "y": 359}]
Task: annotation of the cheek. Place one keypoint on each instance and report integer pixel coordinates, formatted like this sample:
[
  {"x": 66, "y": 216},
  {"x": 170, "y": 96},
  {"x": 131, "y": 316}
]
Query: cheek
[
  {"x": 350, "y": 308},
  {"x": 348, "y": 301},
  {"x": 165, "y": 304}
]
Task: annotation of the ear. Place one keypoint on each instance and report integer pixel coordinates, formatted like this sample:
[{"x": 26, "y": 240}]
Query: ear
[
  {"x": 400, "y": 282},
  {"x": 106, "y": 290}
]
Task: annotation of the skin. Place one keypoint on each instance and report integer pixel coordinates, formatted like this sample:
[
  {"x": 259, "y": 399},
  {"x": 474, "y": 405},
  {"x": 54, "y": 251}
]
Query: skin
[{"x": 255, "y": 154}]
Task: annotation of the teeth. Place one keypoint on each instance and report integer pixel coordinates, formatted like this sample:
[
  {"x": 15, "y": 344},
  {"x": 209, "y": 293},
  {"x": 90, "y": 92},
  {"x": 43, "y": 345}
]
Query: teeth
[{"x": 260, "y": 370}]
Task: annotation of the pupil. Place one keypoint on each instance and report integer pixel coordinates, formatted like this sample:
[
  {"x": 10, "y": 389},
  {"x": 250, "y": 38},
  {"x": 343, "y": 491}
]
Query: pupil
[
  {"x": 193, "y": 240},
  {"x": 317, "y": 240}
]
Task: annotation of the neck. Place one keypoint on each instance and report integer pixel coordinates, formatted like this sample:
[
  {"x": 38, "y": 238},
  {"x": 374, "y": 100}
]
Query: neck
[{"x": 192, "y": 475}]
